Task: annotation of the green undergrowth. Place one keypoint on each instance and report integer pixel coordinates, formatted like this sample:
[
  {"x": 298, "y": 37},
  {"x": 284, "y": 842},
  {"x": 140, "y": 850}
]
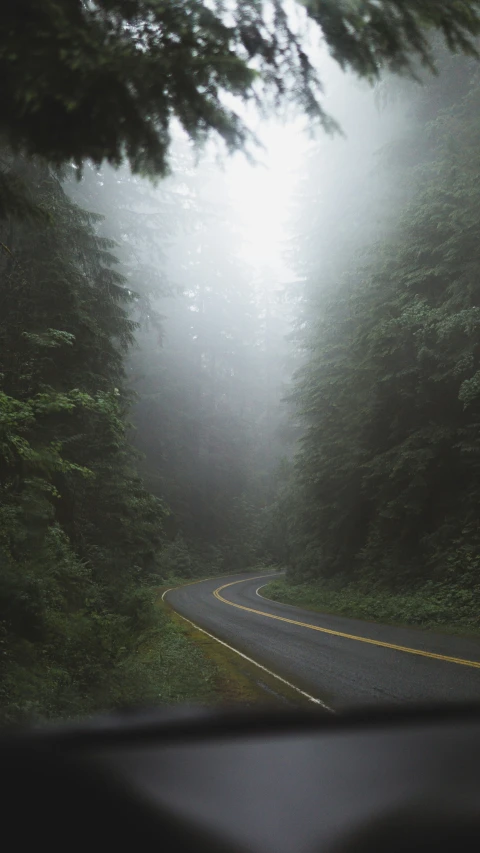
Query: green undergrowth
[
  {"x": 169, "y": 668},
  {"x": 171, "y": 665},
  {"x": 156, "y": 659},
  {"x": 436, "y": 606},
  {"x": 118, "y": 665}
]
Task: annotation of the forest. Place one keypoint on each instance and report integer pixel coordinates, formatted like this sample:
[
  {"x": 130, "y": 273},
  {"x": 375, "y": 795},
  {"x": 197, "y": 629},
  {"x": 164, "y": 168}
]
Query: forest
[
  {"x": 168, "y": 409},
  {"x": 379, "y": 508}
]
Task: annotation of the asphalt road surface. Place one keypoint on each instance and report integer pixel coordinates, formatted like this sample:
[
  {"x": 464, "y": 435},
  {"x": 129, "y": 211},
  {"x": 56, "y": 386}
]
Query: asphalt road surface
[{"x": 337, "y": 661}]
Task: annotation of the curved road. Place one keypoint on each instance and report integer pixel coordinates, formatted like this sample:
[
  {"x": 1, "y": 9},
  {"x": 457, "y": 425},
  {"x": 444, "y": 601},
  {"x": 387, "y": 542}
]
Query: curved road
[{"x": 339, "y": 662}]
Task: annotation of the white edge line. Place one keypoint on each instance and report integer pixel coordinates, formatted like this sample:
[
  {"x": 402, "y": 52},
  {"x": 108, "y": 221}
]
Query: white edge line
[
  {"x": 265, "y": 598},
  {"x": 257, "y": 591},
  {"x": 255, "y": 663}
]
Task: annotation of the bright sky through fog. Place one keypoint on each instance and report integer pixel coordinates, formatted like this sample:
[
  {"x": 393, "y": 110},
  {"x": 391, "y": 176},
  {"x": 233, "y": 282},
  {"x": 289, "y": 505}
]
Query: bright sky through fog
[{"x": 262, "y": 193}]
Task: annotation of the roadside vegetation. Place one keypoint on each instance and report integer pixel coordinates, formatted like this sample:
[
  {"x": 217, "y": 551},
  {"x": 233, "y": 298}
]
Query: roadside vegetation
[{"x": 446, "y": 607}]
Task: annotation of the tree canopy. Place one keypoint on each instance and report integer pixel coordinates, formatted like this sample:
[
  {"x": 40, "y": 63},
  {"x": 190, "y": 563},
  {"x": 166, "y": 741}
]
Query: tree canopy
[{"x": 104, "y": 79}]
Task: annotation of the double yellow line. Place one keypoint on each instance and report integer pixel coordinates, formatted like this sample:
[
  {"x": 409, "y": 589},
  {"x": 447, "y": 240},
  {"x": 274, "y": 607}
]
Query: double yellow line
[{"x": 419, "y": 652}]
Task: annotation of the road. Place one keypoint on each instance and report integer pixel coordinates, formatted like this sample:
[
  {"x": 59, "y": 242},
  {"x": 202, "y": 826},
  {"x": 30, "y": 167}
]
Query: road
[{"x": 336, "y": 661}]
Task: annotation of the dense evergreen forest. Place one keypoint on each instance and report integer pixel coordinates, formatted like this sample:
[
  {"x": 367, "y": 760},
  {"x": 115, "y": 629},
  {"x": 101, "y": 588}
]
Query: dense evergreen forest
[
  {"x": 381, "y": 499},
  {"x": 143, "y": 362}
]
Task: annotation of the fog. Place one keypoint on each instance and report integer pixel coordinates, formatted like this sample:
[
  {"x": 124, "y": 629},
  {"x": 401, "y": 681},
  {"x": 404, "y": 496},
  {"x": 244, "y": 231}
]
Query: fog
[
  {"x": 249, "y": 282},
  {"x": 225, "y": 258}
]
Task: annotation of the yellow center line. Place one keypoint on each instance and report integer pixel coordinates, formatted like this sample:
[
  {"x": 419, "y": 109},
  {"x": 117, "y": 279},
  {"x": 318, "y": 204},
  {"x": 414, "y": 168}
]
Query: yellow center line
[{"x": 420, "y": 652}]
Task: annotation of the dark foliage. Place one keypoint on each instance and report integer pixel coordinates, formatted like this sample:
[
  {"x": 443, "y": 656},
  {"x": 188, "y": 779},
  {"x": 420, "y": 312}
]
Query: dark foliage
[
  {"x": 385, "y": 487},
  {"x": 103, "y": 80},
  {"x": 79, "y": 535}
]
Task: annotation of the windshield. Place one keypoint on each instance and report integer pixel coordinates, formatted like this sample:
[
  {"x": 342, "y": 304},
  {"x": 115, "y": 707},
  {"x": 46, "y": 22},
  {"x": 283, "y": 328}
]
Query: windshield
[{"x": 239, "y": 355}]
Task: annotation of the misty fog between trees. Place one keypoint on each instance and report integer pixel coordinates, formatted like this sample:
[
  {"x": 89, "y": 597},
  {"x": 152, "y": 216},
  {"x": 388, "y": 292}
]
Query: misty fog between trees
[{"x": 177, "y": 403}]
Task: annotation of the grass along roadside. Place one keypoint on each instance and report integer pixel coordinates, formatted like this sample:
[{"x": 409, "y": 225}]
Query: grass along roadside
[
  {"x": 169, "y": 669},
  {"x": 435, "y": 607}
]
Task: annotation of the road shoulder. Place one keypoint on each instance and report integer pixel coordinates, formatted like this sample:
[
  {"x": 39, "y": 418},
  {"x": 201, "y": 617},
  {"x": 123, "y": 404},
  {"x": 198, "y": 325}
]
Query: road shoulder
[{"x": 238, "y": 680}]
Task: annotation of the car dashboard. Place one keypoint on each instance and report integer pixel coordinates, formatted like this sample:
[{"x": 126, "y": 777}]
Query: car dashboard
[{"x": 262, "y": 782}]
